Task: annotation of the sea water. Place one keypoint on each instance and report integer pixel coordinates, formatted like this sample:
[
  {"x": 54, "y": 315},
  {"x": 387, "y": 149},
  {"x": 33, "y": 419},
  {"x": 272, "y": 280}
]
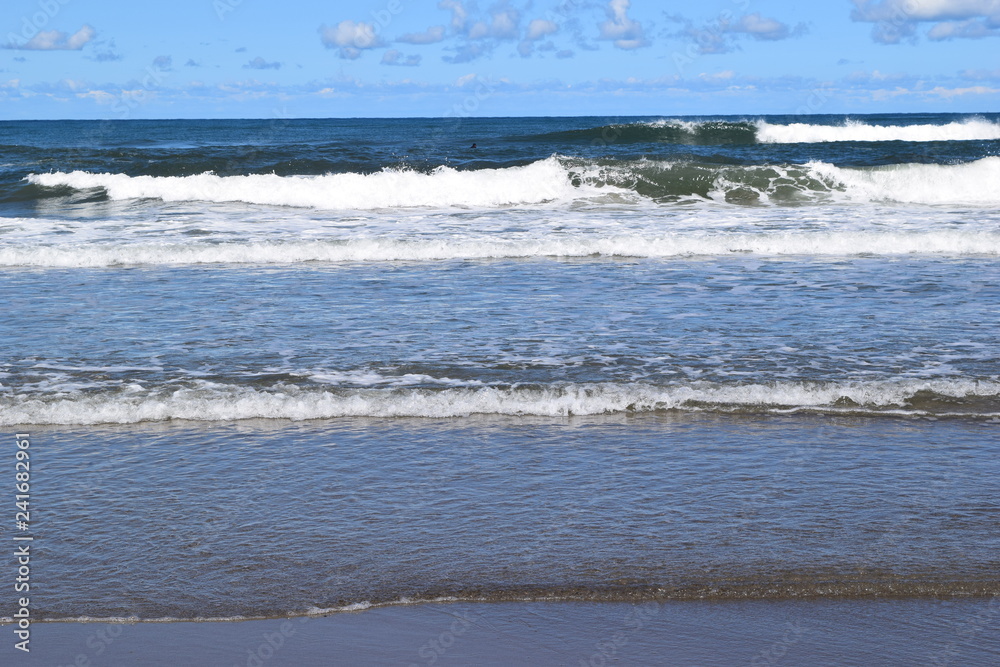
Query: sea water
[{"x": 280, "y": 367}]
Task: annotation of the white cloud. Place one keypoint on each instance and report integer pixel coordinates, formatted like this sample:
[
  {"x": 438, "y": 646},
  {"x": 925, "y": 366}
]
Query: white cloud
[
  {"x": 350, "y": 37},
  {"x": 969, "y": 29},
  {"x": 99, "y": 96},
  {"x": 260, "y": 63},
  {"x": 55, "y": 40},
  {"x": 163, "y": 63},
  {"x": 429, "y": 36},
  {"x": 481, "y": 36},
  {"x": 626, "y": 33},
  {"x": 503, "y": 25},
  {"x": 722, "y": 34},
  {"x": 468, "y": 52},
  {"x": 718, "y": 76},
  {"x": 394, "y": 57},
  {"x": 948, "y": 93},
  {"x": 897, "y": 20},
  {"x": 459, "y": 14},
  {"x": 538, "y": 29},
  {"x": 923, "y": 10},
  {"x": 763, "y": 28}
]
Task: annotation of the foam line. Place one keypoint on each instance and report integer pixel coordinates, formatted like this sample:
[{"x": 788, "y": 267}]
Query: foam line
[{"x": 204, "y": 401}]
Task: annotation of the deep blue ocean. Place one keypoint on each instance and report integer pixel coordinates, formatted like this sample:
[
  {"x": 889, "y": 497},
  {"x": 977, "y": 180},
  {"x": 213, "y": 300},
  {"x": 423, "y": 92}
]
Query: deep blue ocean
[{"x": 281, "y": 367}]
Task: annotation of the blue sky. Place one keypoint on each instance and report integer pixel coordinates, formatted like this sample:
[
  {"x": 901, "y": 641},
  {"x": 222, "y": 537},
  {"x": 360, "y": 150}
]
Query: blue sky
[{"x": 302, "y": 58}]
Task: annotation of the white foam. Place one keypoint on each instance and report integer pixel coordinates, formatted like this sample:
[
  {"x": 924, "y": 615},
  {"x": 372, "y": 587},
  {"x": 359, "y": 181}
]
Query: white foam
[
  {"x": 542, "y": 181},
  {"x": 848, "y": 243},
  {"x": 214, "y": 402},
  {"x": 962, "y": 184},
  {"x": 972, "y": 129},
  {"x": 557, "y": 183},
  {"x": 302, "y": 617},
  {"x": 691, "y": 126}
]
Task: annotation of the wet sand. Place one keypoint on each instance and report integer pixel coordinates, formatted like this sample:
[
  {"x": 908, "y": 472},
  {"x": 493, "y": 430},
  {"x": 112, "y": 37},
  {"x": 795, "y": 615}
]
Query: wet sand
[{"x": 799, "y": 632}]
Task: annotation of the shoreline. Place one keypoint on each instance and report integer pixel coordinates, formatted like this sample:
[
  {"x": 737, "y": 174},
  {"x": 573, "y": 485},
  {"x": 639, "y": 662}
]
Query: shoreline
[
  {"x": 404, "y": 603},
  {"x": 815, "y": 632}
]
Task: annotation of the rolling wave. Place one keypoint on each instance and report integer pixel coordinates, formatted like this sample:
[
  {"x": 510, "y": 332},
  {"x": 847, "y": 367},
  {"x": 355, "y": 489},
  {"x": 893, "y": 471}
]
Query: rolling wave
[
  {"x": 696, "y": 133},
  {"x": 558, "y": 179},
  {"x": 539, "y": 182},
  {"x": 205, "y": 401},
  {"x": 747, "y": 132}
]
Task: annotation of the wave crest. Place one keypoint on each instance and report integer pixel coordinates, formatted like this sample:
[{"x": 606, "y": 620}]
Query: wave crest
[
  {"x": 972, "y": 129},
  {"x": 539, "y": 182},
  {"x": 557, "y": 179},
  {"x": 746, "y": 132}
]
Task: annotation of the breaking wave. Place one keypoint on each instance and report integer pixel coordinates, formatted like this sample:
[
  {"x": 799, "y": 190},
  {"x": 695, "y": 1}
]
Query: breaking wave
[
  {"x": 539, "y": 182},
  {"x": 747, "y": 132},
  {"x": 557, "y": 179},
  {"x": 205, "y": 401},
  {"x": 973, "y": 129}
]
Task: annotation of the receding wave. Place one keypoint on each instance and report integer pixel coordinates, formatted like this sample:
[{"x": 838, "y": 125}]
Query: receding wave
[
  {"x": 943, "y": 243},
  {"x": 558, "y": 179},
  {"x": 203, "y": 401},
  {"x": 783, "y": 585}
]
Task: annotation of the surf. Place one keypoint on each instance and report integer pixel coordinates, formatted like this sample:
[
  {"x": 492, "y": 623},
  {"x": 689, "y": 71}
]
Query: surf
[
  {"x": 208, "y": 401},
  {"x": 953, "y": 243},
  {"x": 561, "y": 179}
]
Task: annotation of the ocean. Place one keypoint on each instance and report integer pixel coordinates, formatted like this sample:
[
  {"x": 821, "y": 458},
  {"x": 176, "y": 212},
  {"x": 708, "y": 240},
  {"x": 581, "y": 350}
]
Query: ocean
[{"x": 285, "y": 367}]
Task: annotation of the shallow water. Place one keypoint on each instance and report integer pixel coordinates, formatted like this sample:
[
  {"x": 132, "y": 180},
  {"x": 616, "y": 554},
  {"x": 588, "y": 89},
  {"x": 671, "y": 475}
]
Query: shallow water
[{"x": 259, "y": 519}]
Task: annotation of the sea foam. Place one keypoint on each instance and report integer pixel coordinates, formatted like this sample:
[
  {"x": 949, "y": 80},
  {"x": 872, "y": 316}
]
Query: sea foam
[
  {"x": 214, "y": 402},
  {"x": 973, "y": 129},
  {"x": 664, "y": 246},
  {"x": 558, "y": 180},
  {"x": 967, "y": 183},
  {"x": 542, "y": 181}
]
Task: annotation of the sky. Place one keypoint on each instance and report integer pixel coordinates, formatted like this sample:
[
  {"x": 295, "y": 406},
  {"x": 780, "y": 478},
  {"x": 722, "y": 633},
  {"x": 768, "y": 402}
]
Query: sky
[{"x": 401, "y": 58}]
